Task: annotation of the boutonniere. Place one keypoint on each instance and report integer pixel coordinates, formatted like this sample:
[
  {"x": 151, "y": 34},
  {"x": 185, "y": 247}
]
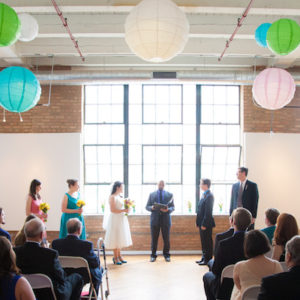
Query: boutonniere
[{"x": 246, "y": 187}]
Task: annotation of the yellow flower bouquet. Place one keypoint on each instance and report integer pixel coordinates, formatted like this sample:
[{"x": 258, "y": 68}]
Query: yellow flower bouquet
[
  {"x": 80, "y": 204},
  {"x": 44, "y": 207}
]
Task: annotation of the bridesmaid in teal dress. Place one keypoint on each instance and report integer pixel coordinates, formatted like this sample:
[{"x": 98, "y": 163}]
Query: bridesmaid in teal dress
[{"x": 70, "y": 209}]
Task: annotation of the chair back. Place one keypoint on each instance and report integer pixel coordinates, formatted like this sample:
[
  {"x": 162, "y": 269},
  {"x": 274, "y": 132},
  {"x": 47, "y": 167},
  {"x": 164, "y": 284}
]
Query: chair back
[
  {"x": 227, "y": 272},
  {"x": 251, "y": 293},
  {"x": 269, "y": 253},
  {"x": 74, "y": 262},
  {"x": 40, "y": 281}
]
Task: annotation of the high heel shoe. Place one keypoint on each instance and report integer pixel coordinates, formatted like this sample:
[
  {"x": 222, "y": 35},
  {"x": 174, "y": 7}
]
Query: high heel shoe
[
  {"x": 122, "y": 261},
  {"x": 116, "y": 262}
]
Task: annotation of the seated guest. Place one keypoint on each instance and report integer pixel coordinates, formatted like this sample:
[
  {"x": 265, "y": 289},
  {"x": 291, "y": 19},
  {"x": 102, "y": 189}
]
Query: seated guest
[
  {"x": 12, "y": 285},
  {"x": 251, "y": 271},
  {"x": 229, "y": 252},
  {"x": 286, "y": 285},
  {"x": 271, "y": 216},
  {"x": 2, "y": 222},
  {"x": 20, "y": 238},
  {"x": 286, "y": 228},
  {"x": 32, "y": 258},
  {"x": 220, "y": 237},
  {"x": 72, "y": 245}
]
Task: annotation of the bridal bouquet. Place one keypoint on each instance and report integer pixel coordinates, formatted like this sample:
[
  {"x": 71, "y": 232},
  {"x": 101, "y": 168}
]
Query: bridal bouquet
[
  {"x": 128, "y": 204},
  {"x": 44, "y": 207},
  {"x": 80, "y": 204}
]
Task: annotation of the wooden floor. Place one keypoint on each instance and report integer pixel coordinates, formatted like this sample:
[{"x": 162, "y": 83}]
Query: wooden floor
[{"x": 181, "y": 279}]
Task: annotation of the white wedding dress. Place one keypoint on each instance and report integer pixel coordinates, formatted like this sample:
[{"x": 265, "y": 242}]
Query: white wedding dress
[{"x": 117, "y": 228}]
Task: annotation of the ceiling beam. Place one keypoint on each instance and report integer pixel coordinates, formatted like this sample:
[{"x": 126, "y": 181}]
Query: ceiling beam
[{"x": 201, "y": 10}]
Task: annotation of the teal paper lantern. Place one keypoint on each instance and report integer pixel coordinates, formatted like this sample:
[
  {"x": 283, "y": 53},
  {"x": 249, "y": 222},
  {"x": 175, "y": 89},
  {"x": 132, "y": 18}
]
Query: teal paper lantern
[
  {"x": 283, "y": 36},
  {"x": 10, "y": 25},
  {"x": 261, "y": 34},
  {"x": 19, "y": 89}
]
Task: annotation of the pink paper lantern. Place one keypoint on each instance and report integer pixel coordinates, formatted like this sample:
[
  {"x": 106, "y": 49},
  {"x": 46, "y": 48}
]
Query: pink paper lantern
[{"x": 273, "y": 88}]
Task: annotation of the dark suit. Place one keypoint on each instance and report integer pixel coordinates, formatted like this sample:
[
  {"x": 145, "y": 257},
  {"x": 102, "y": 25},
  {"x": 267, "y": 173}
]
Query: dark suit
[
  {"x": 73, "y": 246},
  {"x": 249, "y": 198},
  {"x": 205, "y": 218},
  {"x": 220, "y": 237},
  {"x": 229, "y": 252},
  {"x": 32, "y": 258},
  {"x": 282, "y": 286},
  {"x": 160, "y": 220}
]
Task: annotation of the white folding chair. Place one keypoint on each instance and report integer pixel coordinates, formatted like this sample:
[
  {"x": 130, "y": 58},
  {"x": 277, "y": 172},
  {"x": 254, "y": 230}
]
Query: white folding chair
[
  {"x": 76, "y": 263},
  {"x": 284, "y": 266},
  {"x": 227, "y": 272},
  {"x": 269, "y": 253},
  {"x": 251, "y": 293},
  {"x": 40, "y": 281}
]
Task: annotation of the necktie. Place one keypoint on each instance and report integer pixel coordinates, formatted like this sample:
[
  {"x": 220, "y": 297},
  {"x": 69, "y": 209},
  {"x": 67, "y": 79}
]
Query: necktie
[
  {"x": 160, "y": 196},
  {"x": 240, "y": 196}
]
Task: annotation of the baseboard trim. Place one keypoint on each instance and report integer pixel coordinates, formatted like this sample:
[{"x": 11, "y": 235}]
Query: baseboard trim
[{"x": 143, "y": 252}]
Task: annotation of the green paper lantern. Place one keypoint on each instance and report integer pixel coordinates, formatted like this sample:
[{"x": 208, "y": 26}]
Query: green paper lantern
[
  {"x": 10, "y": 25},
  {"x": 283, "y": 36}
]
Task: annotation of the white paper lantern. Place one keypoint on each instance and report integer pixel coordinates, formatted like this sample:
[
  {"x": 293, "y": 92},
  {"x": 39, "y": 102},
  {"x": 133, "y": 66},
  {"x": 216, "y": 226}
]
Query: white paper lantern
[
  {"x": 29, "y": 28},
  {"x": 156, "y": 30}
]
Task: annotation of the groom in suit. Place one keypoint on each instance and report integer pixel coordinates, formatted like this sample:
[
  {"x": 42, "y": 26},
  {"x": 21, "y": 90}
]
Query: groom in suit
[
  {"x": 160, "y": 219},
  {"x": 205, "y": 221},
  {"x": 244, "y": 194}
]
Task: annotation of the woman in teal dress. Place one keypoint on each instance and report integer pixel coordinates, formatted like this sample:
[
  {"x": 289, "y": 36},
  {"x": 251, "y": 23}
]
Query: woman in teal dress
[{"x": 70, "y": 209}]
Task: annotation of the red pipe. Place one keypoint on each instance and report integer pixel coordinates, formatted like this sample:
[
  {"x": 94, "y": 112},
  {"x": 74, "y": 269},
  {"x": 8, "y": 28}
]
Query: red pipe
[
  {"x": 64, "y": 21},
  {"x": 239, "y": 24}
]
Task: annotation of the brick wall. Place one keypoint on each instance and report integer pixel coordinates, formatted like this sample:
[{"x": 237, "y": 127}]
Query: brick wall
[
  {"x": 63, "y": 115},
  {"x": 184, "y": 233},
  {"x": 285, "y": 120}
]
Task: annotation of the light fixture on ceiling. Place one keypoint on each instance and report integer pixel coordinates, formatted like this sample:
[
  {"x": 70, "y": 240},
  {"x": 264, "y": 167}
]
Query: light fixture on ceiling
[{"x": 156, "y": 30}]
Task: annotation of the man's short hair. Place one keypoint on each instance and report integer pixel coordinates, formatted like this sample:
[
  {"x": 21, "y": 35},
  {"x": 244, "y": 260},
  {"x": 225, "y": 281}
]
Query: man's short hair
[
  {"x": 34, "y": 228},
  {"x": 242, "y": 218},
  {"x": 244, "y": 170},
  {"x": 272, "y": 215},
  {"x": 73, "y": 225},
  {"x": 206, "y": 181},
  {"x": 293, "y": 248}
]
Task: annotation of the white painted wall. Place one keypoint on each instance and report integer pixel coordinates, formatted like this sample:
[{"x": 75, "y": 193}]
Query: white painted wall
[
  {"x": 274, "y": 164},
  {"x": 51, "y": 158}
]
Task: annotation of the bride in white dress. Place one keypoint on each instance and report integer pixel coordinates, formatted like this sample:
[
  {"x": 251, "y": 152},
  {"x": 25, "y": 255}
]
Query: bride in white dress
[{"x": 116, "y": 224}]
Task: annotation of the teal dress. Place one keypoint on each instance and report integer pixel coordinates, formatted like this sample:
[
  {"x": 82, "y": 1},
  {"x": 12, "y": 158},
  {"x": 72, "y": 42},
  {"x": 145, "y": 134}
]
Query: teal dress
[{"x": 66, "y": 217}]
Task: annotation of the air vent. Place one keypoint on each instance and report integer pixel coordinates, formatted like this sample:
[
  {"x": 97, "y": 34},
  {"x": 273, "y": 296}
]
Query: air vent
[{"x": 164, "y": 75}]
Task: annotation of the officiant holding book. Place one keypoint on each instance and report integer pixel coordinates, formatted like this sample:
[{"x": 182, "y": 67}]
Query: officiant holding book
[{"x": 161, "y": 205}]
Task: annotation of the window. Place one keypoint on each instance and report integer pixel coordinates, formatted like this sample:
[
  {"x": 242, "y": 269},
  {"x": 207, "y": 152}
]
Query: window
[
  {"x": 220, "y": 140},
  {"x": 141, "y": 133}
]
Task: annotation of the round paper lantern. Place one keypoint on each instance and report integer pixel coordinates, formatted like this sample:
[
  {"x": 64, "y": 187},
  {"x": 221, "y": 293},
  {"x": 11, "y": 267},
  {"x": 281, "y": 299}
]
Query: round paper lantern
[
  {"x": 261, "y": 34},
  {"x": 273, "y": 88},
  {"x": 156, "y": 30},
  {"x": 10, "y": 25},
  {"x": 29, "y": 28},
  {"x": 283, "y": 36},
  {"x": 19, "y": 89}
]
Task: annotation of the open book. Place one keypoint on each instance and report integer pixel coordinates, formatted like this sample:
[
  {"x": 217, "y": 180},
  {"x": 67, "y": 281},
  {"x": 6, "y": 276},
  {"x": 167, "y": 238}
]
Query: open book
[{"x": 158, "y": 206}]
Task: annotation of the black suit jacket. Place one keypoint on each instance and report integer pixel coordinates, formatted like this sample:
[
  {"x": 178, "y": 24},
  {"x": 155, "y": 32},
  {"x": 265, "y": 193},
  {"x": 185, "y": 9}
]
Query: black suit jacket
[
  {"x": 73, "y": 246},
  {"x": 32, "y": 258},
  {"x": 229, "y": 252},
  {"x": 204, "y": 211},
  {"x": 249, "y": 199},
  {"x": 157, "y": 214},
  {"x": 222, "y": 236},
  {"x": 282, "y": 286}
]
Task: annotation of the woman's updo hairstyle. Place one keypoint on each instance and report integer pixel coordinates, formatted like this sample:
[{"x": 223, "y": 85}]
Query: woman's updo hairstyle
[
  {"x": 71, "y": 182},
  {"x": 116, "y": 185}
]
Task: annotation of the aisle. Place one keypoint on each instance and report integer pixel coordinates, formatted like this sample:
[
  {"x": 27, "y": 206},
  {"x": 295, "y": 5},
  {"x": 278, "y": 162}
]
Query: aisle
[{"x": 141, "y": 280}]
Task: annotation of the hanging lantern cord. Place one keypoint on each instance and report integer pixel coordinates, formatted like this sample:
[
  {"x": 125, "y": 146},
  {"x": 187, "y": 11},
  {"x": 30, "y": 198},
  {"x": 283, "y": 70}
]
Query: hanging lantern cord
[{"x": 4, "y": 119}]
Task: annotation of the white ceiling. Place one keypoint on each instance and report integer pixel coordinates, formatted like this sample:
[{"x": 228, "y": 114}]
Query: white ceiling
[{"x": 98, "y": 25}]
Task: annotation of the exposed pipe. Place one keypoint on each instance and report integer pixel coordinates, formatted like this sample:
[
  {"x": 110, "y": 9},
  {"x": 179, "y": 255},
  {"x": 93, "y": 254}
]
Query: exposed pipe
[
  {"x": 245, "y": 77},
  {"x": 65, "y": 23},
  {"x": 239, "y": 24}
]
